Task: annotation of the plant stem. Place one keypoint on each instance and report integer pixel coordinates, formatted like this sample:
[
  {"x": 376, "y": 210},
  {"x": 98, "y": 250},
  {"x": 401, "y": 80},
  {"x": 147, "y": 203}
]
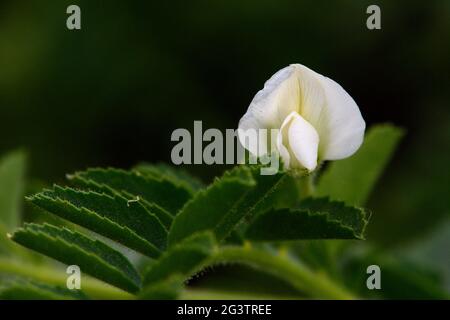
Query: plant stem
[
  {"x": 299, "y": 276},
  {"x": 211, "y": 294},
  {"x": 305, "y": 186},
  {"x": 92, "y": 287}
]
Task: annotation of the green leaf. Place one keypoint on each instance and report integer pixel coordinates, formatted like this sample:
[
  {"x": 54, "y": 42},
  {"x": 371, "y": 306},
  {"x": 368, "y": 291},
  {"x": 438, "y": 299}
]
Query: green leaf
[
  {"x": 176, "y": 175},
  {"x": 400, "y": 278},
  {"x": 271, "y": 191},
  {"x": 313, "y": 219},
  {"x": 214, "y": 207},
  {"x": 21, "y": 289},
  {"x": 239, "y": 195},
  {"x": 353, "y": 217},
  {"x": 156, "y": 190},
  {"x": 163, "y": 215},
  {"x": 72, "y": 248},
  {"x": 351, "y": 180},
  {"x": 183, "y": 259},
  {"x": 266, "y": 194},
  {"x": 122, "y": 220},
  {"x": 431, "y": 251},
  {"x": 12, "y": 172}
]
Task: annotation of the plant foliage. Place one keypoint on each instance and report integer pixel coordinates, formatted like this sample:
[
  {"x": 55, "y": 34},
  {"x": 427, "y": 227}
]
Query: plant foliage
[{"x": 183, "y": 227}]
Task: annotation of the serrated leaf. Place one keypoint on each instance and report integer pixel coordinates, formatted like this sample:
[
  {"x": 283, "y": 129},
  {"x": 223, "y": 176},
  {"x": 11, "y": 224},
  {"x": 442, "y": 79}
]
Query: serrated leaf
[
  {"x": 12, "y": 172},
  {"x": 212, "y": 207},
  {"x": 176, "y": 175},
  {"x": 124, "y": 221},
  {"x": 314, "y": 219},
  {"x": 163, "y": 216},
  {"x": 269, "y": 192},
  {"x": 184, "y": 259},
  {"x": 266, "y": 193},
  {"x": 159, "y": 191},
  {"x": 351, "y": 180},
  {"x": 92, "y": 256},
  {"x": 353, "y": 217},
  {"x": 238, "y": 195},
  {"x": 22, "y": 289}
]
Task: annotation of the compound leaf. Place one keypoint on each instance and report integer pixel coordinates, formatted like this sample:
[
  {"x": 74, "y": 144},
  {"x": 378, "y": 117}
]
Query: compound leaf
[
  {"x": 122, "y": 220},
  {"x": 210, "y": 207},
  {"x": 177, "y": 176},
  {"x": 155, "y": 190},
  {"x": 92, "y": 256},
  {"x": 313, "y": 219},
  {"x": 183, "y": 259}
]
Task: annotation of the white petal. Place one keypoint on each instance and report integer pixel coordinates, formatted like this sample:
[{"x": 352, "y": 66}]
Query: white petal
[
  {"x": 343, "y": 124},
  {"x": 283, "y": 137},
  {"x": 332, "y": 112},
  {"x": 298, "y": 143},
  {"x": 271, "y": 105}
]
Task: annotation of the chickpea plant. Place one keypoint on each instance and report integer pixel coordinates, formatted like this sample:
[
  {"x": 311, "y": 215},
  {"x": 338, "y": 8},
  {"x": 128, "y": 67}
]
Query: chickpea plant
[
  {"x": 184, "y": 226},
  {"x": 179, "y": 227}
]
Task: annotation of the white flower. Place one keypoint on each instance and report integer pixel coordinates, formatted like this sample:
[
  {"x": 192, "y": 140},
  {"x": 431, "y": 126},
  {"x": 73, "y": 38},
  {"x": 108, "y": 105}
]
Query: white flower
[{"x": 316, "y": 118}]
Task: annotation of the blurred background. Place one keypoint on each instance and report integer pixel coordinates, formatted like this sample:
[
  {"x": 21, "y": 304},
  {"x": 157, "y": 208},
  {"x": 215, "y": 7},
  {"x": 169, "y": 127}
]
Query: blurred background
[{"x": 111, "y": 93}]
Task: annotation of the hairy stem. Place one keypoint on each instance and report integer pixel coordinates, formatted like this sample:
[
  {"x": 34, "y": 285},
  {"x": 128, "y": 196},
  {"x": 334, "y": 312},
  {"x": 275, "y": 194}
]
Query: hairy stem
[
  {"x": 305, "y": 185},
  {"x": 211, "y": 294},
  {"x": 92, "y": 287},
  {"x": 282, "y": 266}
]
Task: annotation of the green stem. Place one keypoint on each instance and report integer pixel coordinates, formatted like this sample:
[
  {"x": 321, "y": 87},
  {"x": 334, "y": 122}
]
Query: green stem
[
  {"x": 211, "y": 294},
  {"x": 299, "y": 276},
  {"x": 305, "y": 185},
  {"x": 92, "y": 287}
]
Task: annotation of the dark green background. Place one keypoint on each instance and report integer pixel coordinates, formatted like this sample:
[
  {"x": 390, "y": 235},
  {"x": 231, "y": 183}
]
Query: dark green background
[{"x": 112, "y": 93}]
